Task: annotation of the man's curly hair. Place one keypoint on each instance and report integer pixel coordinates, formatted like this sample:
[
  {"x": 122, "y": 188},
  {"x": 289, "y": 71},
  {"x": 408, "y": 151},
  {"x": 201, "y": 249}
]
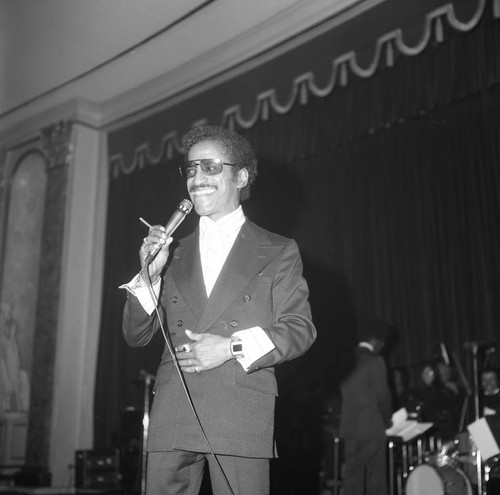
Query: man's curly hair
[{"x": 235, "y": 146}]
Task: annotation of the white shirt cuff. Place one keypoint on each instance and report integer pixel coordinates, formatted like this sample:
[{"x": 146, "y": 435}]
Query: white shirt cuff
[
  {"x": 137, "y": 286},
  {"x": 256, "y": 344}
]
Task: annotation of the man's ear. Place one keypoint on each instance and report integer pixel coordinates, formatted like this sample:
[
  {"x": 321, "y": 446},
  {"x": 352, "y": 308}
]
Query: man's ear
[{"x": 242, "y": 178}]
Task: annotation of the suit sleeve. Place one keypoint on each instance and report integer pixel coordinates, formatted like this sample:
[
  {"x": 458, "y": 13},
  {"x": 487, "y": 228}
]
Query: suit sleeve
[
  {"x": 138, "y": 327},
  {"x": 293, "y": 331},
  {"x": 382, "y": 391}
]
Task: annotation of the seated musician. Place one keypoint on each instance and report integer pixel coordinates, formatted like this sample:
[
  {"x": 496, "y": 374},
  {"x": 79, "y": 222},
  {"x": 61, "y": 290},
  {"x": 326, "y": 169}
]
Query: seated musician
[
  {"x": 403, "y": 395},
  {"x": 490, "y": 390},
  {"x": 440, "y": 401}
]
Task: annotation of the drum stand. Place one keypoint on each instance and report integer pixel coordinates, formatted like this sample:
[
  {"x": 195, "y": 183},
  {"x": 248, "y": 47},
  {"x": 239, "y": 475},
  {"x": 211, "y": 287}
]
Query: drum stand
[{"x": 403, "y": 457}]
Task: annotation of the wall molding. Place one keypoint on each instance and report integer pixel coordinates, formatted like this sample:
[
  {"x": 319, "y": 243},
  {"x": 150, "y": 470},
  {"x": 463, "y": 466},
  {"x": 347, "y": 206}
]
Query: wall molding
[{"x": 28, "y": 130}]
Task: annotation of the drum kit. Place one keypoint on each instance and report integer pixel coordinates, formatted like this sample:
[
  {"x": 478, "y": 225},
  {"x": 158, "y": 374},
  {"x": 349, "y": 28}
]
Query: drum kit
[
  {"x": 454, "y": 470},
  {"x": 458, "y": 467},
  {"x": 449, "y": 471}
]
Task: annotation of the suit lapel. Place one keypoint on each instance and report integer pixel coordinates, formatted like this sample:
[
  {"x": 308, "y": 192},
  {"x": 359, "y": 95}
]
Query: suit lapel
[
  {"x": 186, "y": 271},
  {"x": 250, "y": 254}
]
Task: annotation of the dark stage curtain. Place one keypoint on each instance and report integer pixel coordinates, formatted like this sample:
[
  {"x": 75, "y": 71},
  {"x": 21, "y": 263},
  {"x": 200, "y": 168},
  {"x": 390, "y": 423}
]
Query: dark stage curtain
[{"x": 391, "y": 187}]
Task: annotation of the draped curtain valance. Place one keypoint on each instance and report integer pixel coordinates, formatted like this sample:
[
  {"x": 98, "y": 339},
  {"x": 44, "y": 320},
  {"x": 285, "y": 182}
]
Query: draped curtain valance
[{"x": 326, "y": 73}]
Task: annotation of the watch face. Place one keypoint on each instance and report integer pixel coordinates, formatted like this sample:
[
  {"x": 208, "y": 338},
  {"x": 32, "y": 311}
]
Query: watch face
[{"x": 237, "y": 349}]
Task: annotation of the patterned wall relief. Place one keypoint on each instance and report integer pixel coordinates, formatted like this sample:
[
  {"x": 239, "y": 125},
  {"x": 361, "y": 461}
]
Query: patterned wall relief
[{"x": 18, "y": 298}]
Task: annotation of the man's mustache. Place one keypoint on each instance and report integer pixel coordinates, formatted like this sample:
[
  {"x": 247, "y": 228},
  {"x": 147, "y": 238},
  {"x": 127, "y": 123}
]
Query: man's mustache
[{"x": 198, "y": 187}]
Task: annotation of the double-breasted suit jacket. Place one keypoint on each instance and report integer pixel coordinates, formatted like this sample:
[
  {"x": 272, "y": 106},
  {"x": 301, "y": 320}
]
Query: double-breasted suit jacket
[{"x": 261, "y": 284}]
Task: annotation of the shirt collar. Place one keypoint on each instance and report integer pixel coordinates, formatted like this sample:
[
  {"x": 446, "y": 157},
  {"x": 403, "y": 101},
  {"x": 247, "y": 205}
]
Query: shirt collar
[
  {"x": 367, "y": 345},
  {"x": 227, "y": 223}
]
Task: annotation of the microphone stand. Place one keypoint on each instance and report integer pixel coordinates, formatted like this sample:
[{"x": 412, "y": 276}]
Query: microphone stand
[
  {"x": 475, "y": 371},
  {"x": 148, "y": 379},
  {"x": 474, "y": 347},
  {"x": 468, "y": 392}
]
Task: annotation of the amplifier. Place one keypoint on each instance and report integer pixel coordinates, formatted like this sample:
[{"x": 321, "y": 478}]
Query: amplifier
[{"x": 97, "y": 469}]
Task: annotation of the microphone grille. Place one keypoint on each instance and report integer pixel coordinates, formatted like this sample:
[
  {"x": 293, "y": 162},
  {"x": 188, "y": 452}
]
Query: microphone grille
[{"x": 185, "y": 206}]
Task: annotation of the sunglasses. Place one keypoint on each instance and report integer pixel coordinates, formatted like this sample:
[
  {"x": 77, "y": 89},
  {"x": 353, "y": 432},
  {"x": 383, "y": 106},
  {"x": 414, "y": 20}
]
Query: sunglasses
[{"x": 209, "y": 166}]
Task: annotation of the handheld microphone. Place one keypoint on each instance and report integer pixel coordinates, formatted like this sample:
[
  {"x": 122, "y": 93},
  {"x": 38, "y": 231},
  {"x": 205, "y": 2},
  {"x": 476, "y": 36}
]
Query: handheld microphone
[{"x": 183, "y": 208}]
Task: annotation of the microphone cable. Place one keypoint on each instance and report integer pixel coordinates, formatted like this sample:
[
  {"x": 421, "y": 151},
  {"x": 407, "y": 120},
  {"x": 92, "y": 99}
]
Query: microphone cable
[{"x": 168, "y": 342}]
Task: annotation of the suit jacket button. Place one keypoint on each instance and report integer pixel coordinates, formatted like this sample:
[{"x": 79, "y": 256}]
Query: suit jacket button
[
  {"x": 246, "y": 298},
  {"x": 174, "y": 299},
  {"x": 234, "y": 323},
  {"x": 180, "y": 323}
]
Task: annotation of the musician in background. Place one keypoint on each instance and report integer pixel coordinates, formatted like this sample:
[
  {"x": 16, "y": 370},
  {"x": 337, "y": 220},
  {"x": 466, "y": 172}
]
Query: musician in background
[
  {"x": 490, "y": 390},
  {"x": 440, "y": 399},
  {"x": 403, "y": 395},
  {"x": 366, "y": 413},
  {"x": 447, "y": 380}
]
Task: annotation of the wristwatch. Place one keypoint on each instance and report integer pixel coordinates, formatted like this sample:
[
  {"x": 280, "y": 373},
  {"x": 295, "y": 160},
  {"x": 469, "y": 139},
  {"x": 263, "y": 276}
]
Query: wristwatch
[{"x": 236, "y": 347}]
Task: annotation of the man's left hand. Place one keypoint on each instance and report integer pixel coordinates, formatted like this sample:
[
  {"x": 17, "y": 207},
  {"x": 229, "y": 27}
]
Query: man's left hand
[{"x": 205, "y": 352}]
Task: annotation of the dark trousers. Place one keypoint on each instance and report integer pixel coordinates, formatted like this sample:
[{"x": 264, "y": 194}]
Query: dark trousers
[
  {"x": 365, "y": 468},
  {"x": 181, "y": 473}
]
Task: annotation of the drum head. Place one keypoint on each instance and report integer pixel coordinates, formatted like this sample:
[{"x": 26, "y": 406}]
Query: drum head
[
  {"x": 426, "y": 480},
  {"x": 430, "y": 480}
]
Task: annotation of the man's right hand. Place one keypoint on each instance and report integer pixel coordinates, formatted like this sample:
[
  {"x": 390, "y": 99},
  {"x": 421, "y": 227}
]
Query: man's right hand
[{"x": 156, "y": 238}]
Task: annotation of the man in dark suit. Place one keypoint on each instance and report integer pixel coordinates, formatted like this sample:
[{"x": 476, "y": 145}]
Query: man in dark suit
[
  {"x": 366, "y": 412},
  {"x": 236, "y": 305}
]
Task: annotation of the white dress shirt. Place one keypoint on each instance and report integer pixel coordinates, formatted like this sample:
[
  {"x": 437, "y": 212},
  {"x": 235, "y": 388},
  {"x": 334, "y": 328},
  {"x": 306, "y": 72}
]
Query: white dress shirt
[{"x": 216, "y": 240}]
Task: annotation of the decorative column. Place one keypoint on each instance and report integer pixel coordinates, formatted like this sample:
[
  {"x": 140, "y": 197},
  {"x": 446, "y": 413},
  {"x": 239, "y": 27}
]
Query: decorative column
[{"x": 56, "y": 142}]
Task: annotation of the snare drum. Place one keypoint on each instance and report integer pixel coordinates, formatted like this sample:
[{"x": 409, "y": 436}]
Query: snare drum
[
  {"x": 445, "y": 457},
  {"x": 430, "y": 480}
]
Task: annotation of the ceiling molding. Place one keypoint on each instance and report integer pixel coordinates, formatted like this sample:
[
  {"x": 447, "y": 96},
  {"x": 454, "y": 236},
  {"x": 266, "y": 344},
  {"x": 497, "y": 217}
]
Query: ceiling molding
[
  {"x": 264, "y": 42},
  {"x": 295, "y": 24}
]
